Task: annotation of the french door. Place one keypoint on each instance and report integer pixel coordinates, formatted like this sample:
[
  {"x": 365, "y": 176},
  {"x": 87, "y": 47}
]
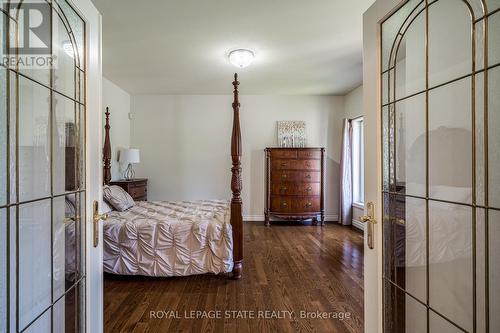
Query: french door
[
  {"x": 44, "y": 191},
  {"x": 440, "y": 125}
]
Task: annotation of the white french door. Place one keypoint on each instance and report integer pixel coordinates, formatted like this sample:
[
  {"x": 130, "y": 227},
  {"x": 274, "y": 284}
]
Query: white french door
[
  {"x": 431, "y": 81},
  {"x": 49, "y": 71}
]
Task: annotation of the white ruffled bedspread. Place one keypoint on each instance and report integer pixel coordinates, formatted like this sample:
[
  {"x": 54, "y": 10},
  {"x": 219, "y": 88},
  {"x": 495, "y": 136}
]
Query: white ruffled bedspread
[{"x": 169, "y": 238}]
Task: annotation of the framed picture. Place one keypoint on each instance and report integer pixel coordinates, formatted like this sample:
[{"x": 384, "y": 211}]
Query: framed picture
[{"x": 291, "y": 134}]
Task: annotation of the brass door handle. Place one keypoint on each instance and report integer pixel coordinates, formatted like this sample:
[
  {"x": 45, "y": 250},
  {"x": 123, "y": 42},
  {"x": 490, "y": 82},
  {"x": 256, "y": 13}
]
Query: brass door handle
[
  {"x": 369, "y": 219},
  {"x": 95, "y": 222}
]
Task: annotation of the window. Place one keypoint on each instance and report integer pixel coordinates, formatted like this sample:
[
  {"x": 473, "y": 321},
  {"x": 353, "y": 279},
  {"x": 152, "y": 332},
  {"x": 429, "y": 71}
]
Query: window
[{"x": 358, "y": 169}]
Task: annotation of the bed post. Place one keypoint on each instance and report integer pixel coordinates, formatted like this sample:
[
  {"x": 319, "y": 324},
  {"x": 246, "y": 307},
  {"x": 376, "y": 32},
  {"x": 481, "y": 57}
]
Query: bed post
[
  {"x": 236, "y": 202},
  {"x": 106, "y": 151}
]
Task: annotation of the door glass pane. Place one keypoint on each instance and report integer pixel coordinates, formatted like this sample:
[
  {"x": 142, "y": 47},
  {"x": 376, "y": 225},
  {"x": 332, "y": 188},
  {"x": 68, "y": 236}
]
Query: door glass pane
[
  {"x": 34, "y": 140},
  {"x": 410, "y": 245},
  {"x": 385, "y": 148},
  {"x": 81, "y": 148},
  {"x": 41, "y": 325},
  {"x": 450, "y": 261},
  {"x": 40, "y": 136},
  {"x": 411, "y": 146},
  {"x": 64, "y": 74},
  {"x": 480, "y": 270},
  {"x": 402, "y": 313},
  {"x": 12, "y": 165},
  {"x": 65, "y": 253},
  {"x": 410, "y": 61},
  {"x": 438, "y": 324},
  {"x": 492, "y": 5},
  {"x": 3, "y": 135},
  {"x": 392, "y": 25},
  {"x": 494, "y": 269},
  {"x": 34, "y": 242},
  {"x": 77, "y": 28},
  {"x": 64, "y": 317},
  {"x": 80, "y": 235},
  {"x": 450, "y": 48},
  {"x": 493, "y": 40},
  {"x": 494, "y": 136},
  {"x": 64, "y": 142},
  {"x": 450, "y": 142},
  {"x": 3, "y": 270},
  {"x": 33, "y": 58},
  {"x": 480, "y": 144}
]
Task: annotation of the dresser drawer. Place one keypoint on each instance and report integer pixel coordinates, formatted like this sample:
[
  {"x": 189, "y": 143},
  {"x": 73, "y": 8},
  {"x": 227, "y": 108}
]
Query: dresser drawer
[
  {"x": 298, "y": 205},
  {"x": 310, "y": 154},
  {"x": 281, "y": 164},
  {"x": 138, "y": 191},
  {"x": 288, "y": 188},
  {"x": 295, "y": 176},
  {"x": 283, "y": 153}
]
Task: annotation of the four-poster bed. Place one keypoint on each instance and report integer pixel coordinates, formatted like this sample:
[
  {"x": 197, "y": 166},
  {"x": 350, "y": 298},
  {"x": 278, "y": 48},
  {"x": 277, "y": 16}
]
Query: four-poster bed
[{"x": 215, "y": 226}]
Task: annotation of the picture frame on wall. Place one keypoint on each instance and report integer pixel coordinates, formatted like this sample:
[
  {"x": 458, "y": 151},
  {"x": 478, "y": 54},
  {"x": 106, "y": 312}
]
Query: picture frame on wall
[{"x": 291, "y": 134}]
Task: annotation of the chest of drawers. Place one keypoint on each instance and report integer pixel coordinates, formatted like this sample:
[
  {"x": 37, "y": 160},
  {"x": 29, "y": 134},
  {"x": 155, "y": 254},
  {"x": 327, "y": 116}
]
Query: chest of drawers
[{"x": 295, "y": 184}]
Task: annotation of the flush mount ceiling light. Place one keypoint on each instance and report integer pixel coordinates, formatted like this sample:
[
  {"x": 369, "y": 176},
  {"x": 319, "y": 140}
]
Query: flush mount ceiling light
[
  {"x": 68, "y": 48},
  {"x": 241, "y": 58}
]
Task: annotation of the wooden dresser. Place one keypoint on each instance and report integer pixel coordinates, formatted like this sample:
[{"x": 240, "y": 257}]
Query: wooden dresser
[
  {"x": 295, "y": 184},
  {"x": 137, "y": 188}
]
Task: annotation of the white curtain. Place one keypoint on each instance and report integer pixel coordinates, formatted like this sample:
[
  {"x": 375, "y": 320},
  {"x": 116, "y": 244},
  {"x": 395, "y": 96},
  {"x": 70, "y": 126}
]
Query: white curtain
[{"x": 345, "y": 205}]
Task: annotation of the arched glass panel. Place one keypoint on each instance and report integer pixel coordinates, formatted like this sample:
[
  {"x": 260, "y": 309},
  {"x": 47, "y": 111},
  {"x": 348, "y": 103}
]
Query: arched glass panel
[
  {"x": 42, "y": 170},
  {"x": 450, "y": 44},
  {"x": 441, "y": 167}
]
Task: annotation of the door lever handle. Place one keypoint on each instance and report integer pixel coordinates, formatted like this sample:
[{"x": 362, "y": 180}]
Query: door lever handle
[
  {"x": 95, "y": 222},
  {"x": 369, "y": 219}
]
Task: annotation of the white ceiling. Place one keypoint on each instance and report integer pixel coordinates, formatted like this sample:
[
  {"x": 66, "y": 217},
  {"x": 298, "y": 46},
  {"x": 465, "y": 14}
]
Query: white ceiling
[{"x": 180, "y": 46}]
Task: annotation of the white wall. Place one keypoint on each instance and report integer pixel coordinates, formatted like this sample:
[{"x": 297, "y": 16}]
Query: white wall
[
  {"x": 354, "y": 103},
  {"x": 118, "y": 101},
  {"x": 185, "y": 141}
]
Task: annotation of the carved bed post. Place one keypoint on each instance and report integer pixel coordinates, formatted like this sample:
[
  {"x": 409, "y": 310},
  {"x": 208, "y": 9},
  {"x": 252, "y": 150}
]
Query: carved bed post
[
  {"x": 106, "y": 153},
  {"x": 236, "y": 202}
]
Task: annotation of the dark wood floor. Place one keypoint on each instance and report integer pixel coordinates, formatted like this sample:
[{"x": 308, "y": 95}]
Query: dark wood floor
[{"x": 286, "y": 268}]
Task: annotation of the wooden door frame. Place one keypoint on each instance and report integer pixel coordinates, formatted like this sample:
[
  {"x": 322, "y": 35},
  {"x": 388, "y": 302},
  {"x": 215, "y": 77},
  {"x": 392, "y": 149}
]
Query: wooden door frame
[{"x": 372, "y": 85}]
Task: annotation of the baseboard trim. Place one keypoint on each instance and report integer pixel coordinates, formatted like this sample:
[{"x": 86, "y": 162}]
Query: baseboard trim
[
  {"x": 358, "y": 224},
  {"x": 259, "y": 218}
]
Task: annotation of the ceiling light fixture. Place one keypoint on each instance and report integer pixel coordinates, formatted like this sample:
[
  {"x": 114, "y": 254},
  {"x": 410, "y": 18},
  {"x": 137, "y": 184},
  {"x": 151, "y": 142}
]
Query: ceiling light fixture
[
  {"x": 68, "y": 48},
  {"x": 241, "y": 58}
]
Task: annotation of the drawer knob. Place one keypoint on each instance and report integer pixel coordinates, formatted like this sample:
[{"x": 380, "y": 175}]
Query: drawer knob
[
  {"x": 283, "y": 175},
  {"x": 308, "y": 205},
  {"x": 283, "y": 164},
  {"x": 284, "y": 204},
  {"x": 308, "y": 164},
  {"x": 309, "y": 189},
  {"x": 308, "y": 176},
  {"x": 284, "y": 188}
]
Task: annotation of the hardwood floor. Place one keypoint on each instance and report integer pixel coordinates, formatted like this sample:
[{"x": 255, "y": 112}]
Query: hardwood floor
[{"x": 286, "y": 268}]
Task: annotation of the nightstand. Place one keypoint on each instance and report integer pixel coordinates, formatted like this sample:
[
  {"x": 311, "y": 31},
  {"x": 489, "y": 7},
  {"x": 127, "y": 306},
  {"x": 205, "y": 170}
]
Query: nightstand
[{"x": 137, "y": 188}]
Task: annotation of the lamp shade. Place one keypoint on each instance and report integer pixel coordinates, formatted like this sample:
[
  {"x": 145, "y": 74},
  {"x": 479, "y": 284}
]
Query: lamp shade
[{"x": 128, "y": 156}]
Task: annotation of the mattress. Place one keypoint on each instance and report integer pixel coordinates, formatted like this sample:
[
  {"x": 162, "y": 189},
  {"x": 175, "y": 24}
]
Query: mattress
[{"x": 169, "y": 238}]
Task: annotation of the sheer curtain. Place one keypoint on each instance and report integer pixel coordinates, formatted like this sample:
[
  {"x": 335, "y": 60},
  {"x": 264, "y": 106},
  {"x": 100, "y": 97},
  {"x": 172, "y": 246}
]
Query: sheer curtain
[{"x": 345, "y": 205}]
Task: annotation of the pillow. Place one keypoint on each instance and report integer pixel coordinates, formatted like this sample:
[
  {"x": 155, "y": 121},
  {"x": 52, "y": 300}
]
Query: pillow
[
  {"x": 106, "y": 208},
  {"x": 118, "y": 198}
]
